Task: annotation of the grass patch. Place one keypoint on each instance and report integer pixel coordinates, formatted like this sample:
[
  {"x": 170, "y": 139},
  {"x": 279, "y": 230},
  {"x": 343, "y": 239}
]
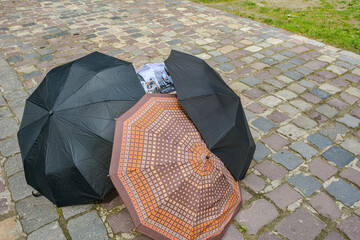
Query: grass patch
[{"x": 329, "y": 21}]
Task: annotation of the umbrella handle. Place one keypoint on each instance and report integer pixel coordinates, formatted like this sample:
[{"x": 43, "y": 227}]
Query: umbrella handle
[{"x": 36, "y": 194}]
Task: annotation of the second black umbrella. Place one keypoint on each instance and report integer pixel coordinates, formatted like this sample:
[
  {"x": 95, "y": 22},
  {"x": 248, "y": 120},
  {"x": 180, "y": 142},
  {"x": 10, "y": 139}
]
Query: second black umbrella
[{"x": 215, "y": 110}]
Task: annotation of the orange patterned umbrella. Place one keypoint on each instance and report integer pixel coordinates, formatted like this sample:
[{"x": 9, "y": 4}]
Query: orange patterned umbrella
[{"x": 170, "y": 182}]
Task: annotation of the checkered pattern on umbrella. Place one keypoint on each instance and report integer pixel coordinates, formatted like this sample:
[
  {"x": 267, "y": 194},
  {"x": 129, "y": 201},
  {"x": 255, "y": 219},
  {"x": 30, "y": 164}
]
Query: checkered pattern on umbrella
[{"x": 172, "y": 185}]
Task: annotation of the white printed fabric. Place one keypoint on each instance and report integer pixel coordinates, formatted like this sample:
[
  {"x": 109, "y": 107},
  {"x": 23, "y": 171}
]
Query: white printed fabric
[{"x": 155, "y": 78}]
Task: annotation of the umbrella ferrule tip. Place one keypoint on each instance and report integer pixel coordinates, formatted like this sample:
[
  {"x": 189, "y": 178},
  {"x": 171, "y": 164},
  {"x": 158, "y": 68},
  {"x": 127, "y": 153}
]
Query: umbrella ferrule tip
[{"x": 51, "y": 112}]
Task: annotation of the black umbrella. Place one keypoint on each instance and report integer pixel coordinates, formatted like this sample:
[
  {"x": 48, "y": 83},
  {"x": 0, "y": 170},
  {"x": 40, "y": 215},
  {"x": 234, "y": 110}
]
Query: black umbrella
[
  {"x": 68, "y": 125},
  {"x": 215, "y": 110}
]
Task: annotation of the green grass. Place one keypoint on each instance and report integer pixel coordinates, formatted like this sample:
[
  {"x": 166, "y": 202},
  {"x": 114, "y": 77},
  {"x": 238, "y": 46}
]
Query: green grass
[{"x": 333, "y": 22}]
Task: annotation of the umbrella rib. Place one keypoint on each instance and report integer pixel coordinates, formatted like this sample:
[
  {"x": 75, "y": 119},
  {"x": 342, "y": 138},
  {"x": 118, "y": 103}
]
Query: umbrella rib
[
  {"x": 205, "y": 95},
  {"x": 37, "y": 136},
  {"x": 95, "y": 73},
  {"x": 173, "y": 192},
  {"x": 100, "y": 101},
  {"x": 218, "y": 215}
]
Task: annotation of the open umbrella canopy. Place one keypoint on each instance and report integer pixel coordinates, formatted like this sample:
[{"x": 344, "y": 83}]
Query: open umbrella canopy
[
  {"x": 215, "y": 110},
  {"x": 68, "y": 124},
  {"x": 170, "y": 182}
]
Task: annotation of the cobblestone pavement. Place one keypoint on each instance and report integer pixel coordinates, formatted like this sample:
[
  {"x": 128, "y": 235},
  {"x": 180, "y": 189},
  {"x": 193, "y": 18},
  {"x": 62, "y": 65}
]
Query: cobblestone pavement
[{"x": 301, "y": 99}]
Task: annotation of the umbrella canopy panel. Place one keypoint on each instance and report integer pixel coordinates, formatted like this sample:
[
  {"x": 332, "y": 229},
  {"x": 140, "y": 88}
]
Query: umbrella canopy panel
[
  {"x": 172, "y": 185},
  {"x": 215, "y": 110},
  {"x": 68, "y": 124}
]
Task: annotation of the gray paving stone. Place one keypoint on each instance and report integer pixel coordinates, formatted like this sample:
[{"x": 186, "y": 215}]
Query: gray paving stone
[
  {"x": 221, "y": 59},
  {"x": 2, "y": 101},
  {"x": 248, "y": 59},
  {"x": 121, "y": 222},
  {"x": 306, "y": 84},
  {"x": 300, "y": 104},
  {"x": 31, "y": 75},
  {"x": 258, "y": 214},
  {"x": 304, "y": 70},
  {"x": 71, "y": 211},
  {"x": 226, "y": 67},
  {"x": 288, "y": 53},
  {"x": 338, "y": 156},
  {"x": 327, "y": 110},
  {"x": 269, "y": 61},
  {"x": 334, "y": 236},
  {"x": 51, "y": 231},
  {"x": 277, "y": 116},
  {"x": 350, "y": 227},
  {"x": 334, "y": 130},
  {"x": 293, "y": 75},
  {"x": 14, "y": 59},
  {"x": 252, "y": 81},
  {"x": 304, "y": 149},
  {"x": 352, "y": 175},
  {"x": 304, "y": 122},
  {"x": 300, "y": 225},
  {"x": 9, "y": 146},
  {"x": 275, "y": 83},
  {"x": 35, "y": 212},
  {"x": 321, "y": 169},
  {"x": 287, "y": 159},
  {"x": 285, "y": 66},
  {"x": 254, "y": 182},
  {"x": 19, "y": 93},
  {"x": 88, "y": 226},
  {"x": 279, "y": 57},
  {"x": 267, "y": 52},
  {"x": 13, "y": 165},
  {"x": 233, "y": 234},
  {"x": 31, "y": 55},
  {"x": 350, "y": 60},
  {"x": 322, "y": 203},
  {"x": 5, "y": 112},
  {"x": 196, "y": 51},
  {"x": 8, "y": 127},
  {"x": 19, "y": 112},
  {"x": 343, "y": 192},
  {"x": 319, "y": 140},
  {"x": 297, "y": 61},
  {"x": 263, "y": 124},
  {"x": 16, "y": 103},
  {"x": 283, "y": 196},
  {"x": 46, "y": 51},
  {"x": 352, "y": 145},
  {"x": 320, "y": 93},
  {"x": 271, "y": 170},
  {"x": 137, "y": 52},
  {"x": 306, "y": 184},
  {"x": 291, "y": 131},
  {"x": 261, "y": 151},
  {"x": 345, "y": 65},
  {"x": 18, "y": 186},
  {"x": 249, "y": 115},
  {"x": 349, "y": 120},
  {"x": 245, "y": 196},
  {"x": 269, "y": 236}
]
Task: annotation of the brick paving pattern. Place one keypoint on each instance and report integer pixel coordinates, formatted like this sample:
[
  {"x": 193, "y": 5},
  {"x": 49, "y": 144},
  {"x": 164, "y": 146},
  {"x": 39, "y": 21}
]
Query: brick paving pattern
[{"x": 301, "y": 98}]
